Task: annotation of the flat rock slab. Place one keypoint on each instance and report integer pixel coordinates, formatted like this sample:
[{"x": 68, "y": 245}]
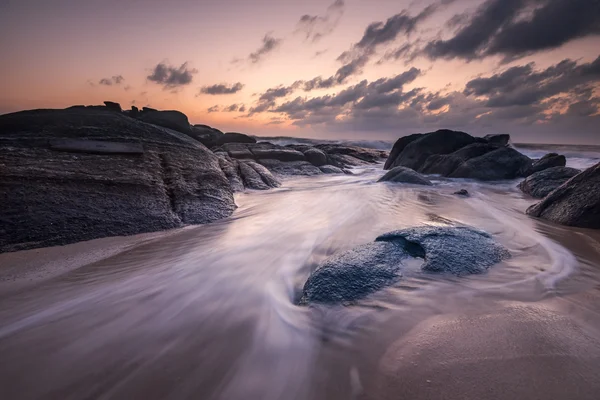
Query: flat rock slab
[
  {"x": 96, "y": 146},
  {"x": 357, "y": 273}
]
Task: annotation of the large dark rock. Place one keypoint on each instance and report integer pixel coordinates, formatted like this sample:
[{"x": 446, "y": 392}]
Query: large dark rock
[
  {"x": 443, "y": 141},
  {"x": 171, "y": 119},
  {"x": 499, "y": 139},
  {"x": 502, "y": 163},
  {"x": 548, "y": 161},
  {"x": 446, "y": 164},
  {"x": 540, "y": 184},
  {"x": 399, "y": 148},
  {"x": 574, "y": 203},
  {"x": 291, "y": 168},
  {"x": 234, "y": 137},
  {"x": 112, "y": 106},
  {"x": 355, "y": 274},
  {"x": 206, "y": 135},
  {"x": 405, "y": 175},
  {"x": 370, "y": 156},
  {"x": 232, "y": 172},
  {"x": 315, "y": 156},
  {"x": 55, "y": 197}
]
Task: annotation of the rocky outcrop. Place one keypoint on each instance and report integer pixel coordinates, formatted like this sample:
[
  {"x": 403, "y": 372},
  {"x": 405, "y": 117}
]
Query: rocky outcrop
[
  {"x": 234, "y": 137},
  {"x": 499, "y": 164},
  {"x": 59, "y": 185},
  {"x": 574, "y": 203},
  {"x": 330, "y": 169},
  {"x": 405, "y": 175},
  {"x": 112, "y": 106},
  {"x": 256, "y": 176},
  {"x": 174, "y": 120},
  {"x": 357, "y": 273},
  {"x": 206, "y": 135},
  {"x": 499, "y": 140},
  {"x": 540, "y": 184},
  {"x": 399, "y": 147},
  {"x": 291, "y": 168},
  {"x": 368, "y": 156},
  {"x": 315, "y": 156},
  {"x": 446, "y": 164}
]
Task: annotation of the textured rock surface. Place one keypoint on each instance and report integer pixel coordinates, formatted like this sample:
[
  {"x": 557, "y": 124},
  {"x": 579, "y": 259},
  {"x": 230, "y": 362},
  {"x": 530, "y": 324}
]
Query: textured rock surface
[
  {"x": 462, "y": 193},
  {"x": 399, "y": 148},
  {"x": 548, "y": 161},
  {"x": 234, "y": 137},
  {"x": 256, "y": 176},
  {"x": 500, "y": 139},
  {"x": 405, "y": 175},
  {"x": 458, "y": 250},
  {"x": 54, "y": 197},
  {"x": 357, "y": 273},
  {"x": 291, "y": 168},
  {"x": 330, "y": 169},
  {"x": 446, "y": 164},
  {"x": 540, "y": 184},
  {"x": 315, "y": 156},
  {"x": 574, "y": 203}
]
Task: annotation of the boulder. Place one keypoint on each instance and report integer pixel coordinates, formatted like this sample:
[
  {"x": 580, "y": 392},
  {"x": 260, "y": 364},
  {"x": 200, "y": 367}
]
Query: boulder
[
  {"x": 330, "y": 169},
  {"x": 405, "y": 175},
  {"x": 575, "y": 203},
  {"x": 262, "y": 151},
  {"x": 234, "y": 137},
  {"x": 370, "y": 156},
  {"x": 64, "y": 195},
  {"x": 206, "y": 135},
  {"x": 112, "y": 106},
  {"x": 446, "y": 164},
  {"x": 444, "y": 141},
  {"x": 548, "y": 161},
  {"x": 462, "y": 193},
  {"x": 231, "y": 170},
  {"x": 290, "y": 168},
  {"x": 354, "y": 274},
  {"x": 540, "y": 184},
  {"x": 502, "y": 163},
  {"x": 315, "y": 156},
  {"x": 256, "y": 176},
  {"x": 174, "y": 120},
  {"x": 399, "y": 148},
  {"x": 499, "y": 139}
]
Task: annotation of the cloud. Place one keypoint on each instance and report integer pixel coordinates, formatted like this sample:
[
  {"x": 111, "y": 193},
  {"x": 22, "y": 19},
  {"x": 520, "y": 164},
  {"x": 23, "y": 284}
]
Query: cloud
[
  {"x": 269, "y": 44},
  {"x": 213, "y": 109},
  {"x": 314, "y": 27},
  {"x": 516, "y": 28},
  {"x": 320, "y": 53},
  {"x": 222, "y": 88},
  {"x": 117, "y": 80},
  {"x": 172, "y": 77}
]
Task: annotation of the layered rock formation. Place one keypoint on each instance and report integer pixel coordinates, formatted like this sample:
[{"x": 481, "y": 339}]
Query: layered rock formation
[{"x": 540, "y": 184}]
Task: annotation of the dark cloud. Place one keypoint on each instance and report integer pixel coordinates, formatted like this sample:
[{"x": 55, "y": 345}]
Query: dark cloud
[
  {"x": 116, "y": 80},
  {"x": 222, "y": 88},
  {"x": 315, "y": 27},
  {"x": 213, "y": 109},
  {"x": 320, "y": 53},
  {"x": 269, "y": 43},
  {"x": 515, "y": 28},
  {"x": 172, "y": 77}
]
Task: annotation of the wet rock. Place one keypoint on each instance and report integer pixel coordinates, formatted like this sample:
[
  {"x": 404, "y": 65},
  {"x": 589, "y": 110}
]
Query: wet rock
[
  {"x": 399, "y": 148},
  {"x": 315, "y": 156},
  {"x": 574, "y": 203},
  {"x": 234, "y": 137},
  {"x": 256, "y": 176},
  {"x": 330, "y": 169},
  {"x": 354, "y": 274},
  {"x": 51, "y": 197},
  {"x": 540, "y": 184},
  {"x": 291, "y": 168},
  {"x": 112, "y": 106},
  {"x": 499, "y": 139},
  {"x": 171, "y": 119},
  {"x": 457, "y": 250},
  {"x": 206, "y": 135},
  {"x": 548, "y": 161},
  {"x": 446, "y": 164},
  {"x": 405, "y": 175},
  {"x": 444, "y": 141},
  {"x": 502, "y": 163},
  {"x": 462, "y": 193},
  {"x": 231, "y": 170},
  {"x": 369, "y": 156},
  {"x": 262, "y": 151}
]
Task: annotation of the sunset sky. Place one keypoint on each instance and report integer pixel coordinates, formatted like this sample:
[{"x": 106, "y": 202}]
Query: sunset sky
[{"x": 375, "y": 69}]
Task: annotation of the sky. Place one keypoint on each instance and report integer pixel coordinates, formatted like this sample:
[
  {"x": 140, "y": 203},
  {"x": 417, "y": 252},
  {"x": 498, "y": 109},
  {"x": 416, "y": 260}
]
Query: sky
[{"x": 330, "y": 69}]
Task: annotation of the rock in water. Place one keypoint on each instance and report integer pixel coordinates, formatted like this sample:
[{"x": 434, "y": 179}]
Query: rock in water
[
  {"x": 458, "y": 250},
  {"x": 399, "y": 148},
  {"x": 405, "y": 175},
  {"x": 330, "y": 169},
  {"x": 540, "y": 184},
  {"x": 502, "y": 163},
  {"x": 548, "y": 161},
  {"x": 256, "y": 176},
  {"x": 355, "y": 274},
  {"x": 462, "y": 193},
  {"x": 574, "y": 203},
  {"x": 52, "y": 197},
  {"x": 316, "y": 157}
]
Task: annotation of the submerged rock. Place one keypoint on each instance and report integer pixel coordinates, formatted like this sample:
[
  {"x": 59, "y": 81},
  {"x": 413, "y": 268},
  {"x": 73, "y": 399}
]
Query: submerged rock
[
  {"x": 540, "y": 184},
  {"x": 574, "y": 203},
  {"x": 74, "y": 192},
  {"x": 405, "y": 175},
  {"x": 357, "y": 273}
]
